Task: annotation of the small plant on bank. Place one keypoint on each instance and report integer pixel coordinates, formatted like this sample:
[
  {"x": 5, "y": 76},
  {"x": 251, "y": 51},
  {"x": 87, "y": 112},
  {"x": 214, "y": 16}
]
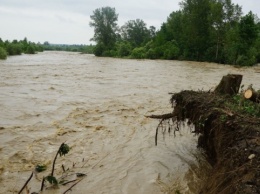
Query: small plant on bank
[
  {"x": 63, "y": 150},
  {"x": 51, "y": 179},
  {"x": 244, "y": 106},
  {"x": 40, "y": 168}
]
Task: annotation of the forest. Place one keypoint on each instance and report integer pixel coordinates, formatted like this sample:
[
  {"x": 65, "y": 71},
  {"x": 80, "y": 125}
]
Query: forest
[
  {"x": 201, "y": 30},
  {"x": 15, "y": 47},
  {"x": 86, "y": 49}
]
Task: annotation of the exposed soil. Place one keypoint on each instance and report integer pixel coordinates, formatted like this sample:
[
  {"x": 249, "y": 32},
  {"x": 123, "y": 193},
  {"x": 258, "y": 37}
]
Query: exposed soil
[{"x": 230, "y": 134}]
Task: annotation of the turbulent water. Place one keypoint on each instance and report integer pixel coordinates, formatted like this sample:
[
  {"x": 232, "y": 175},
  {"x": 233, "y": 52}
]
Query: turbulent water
[{"x": 98, "y": 107}]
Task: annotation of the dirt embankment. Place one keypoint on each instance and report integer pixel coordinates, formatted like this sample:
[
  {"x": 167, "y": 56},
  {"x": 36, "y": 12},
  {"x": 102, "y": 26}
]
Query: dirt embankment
[
  {"x": 229, "y": 129},
  {"x": 230, "y": 137}
]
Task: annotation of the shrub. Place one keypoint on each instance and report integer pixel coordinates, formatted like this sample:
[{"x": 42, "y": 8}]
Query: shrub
[
  {"x": 124, "y": 49},
  {"x": 172, "y": 52},
  {"x": 14, "y": 49},
  {"x": 151, "y": 54},
  {"x": 99, "y": 49},
  {"x": 247, "y": 59},
  {"x": 30, "y": 50},
  {"x": 3, "y": 53},
  {"x": 138, "y": 53}
]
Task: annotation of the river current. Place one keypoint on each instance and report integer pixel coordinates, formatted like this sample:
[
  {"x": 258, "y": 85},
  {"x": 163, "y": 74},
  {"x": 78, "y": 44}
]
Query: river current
[{"x": 98, "y": 106}]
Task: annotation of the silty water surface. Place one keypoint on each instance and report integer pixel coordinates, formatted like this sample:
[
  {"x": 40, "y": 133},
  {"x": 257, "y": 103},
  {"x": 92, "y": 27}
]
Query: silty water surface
[{"x": 98, "y": 107}]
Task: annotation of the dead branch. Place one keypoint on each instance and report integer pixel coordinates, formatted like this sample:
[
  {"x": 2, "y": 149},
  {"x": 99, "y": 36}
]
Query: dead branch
[
  {"x": 26, "y": 183},
  {"x": 42, "y": 185},
  {"x": 72, "y": 186},
  {"x": 163, "y": 117},
  {"x": 227, "y": 112},
  {"x": 157, "y": 129},
  {"x": 69, "y": 182},
  {"x": 54, "y": 161}
]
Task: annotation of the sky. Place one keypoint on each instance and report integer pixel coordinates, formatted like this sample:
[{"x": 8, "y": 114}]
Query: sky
[{"x": 67, "y": 21}]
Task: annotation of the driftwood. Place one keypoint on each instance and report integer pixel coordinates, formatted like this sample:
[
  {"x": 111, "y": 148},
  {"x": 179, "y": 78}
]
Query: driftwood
[
  {"x": 26, "y": 183},
  {"x": 252, "y": 95},
  {"x": 69, "y": 189},
  {"x": 229, "y": 84},
  {"x": 163, "y": 117}
]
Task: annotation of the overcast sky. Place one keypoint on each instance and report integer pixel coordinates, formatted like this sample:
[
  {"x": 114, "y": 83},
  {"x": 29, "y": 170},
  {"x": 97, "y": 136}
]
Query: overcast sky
[{"x": 67, "y": 21}]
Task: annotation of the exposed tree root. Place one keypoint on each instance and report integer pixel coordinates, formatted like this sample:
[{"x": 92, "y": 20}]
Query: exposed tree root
[{"x": 230, "y": 134}]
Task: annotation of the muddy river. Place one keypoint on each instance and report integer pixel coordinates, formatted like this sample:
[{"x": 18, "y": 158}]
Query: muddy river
[{"x": 98, "y": 106}]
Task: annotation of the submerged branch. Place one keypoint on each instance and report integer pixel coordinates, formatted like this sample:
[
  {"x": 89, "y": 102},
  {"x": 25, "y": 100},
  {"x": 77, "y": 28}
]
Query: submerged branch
[
  {"x": 157, "y": 129},
  {"x": 26, "y": 183},
  {"x": 72, "y": 186}
]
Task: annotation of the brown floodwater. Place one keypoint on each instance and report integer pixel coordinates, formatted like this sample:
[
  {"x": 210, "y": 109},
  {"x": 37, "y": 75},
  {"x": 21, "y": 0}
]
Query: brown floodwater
[{"x": 98, "y": 107}]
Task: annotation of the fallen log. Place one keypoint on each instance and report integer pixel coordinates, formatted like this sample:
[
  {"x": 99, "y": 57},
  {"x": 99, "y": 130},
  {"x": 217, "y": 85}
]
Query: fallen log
[
  {"x": 251, "y": 94},
  {"x": 163, "y": 116}
]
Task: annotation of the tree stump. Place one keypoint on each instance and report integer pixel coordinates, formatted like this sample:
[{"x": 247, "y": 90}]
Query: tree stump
[
  {"x": 229, "y": 84},
  {"x": 252, "y": 95}
]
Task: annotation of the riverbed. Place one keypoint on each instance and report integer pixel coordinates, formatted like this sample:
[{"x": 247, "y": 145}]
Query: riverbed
[{"x": 98, "y": 106}]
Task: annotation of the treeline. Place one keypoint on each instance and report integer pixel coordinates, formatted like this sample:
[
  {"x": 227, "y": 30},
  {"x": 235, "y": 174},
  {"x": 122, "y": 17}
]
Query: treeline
[
  {"x": 88, "y": 49},
  {"x": 16, "y": 47},
  {"x": 202, "y": 30}
]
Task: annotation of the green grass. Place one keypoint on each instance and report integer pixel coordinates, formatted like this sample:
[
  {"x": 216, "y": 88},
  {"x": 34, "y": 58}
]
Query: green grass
[{"x": 243, "y": 106}]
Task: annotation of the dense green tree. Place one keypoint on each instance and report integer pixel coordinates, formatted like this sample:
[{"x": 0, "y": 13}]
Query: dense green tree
[
  {"x": 248, "y": 34},
  {"x": 104, "y": 21},
  {"x": 202, "y": 30},
  {"x": 14, "y": 48},
  {"x": 30, "y": 49},
  {"x": 25, "y": 44},
  {"x": 230, "y": 41},
  {"x": 196, "y": 28},
  {"x": 163, "y": 35},
  {"x": 124, "y": 49},
  {"x": 248, "y": 30},
  {"x": 1, "y": 43},
  {"x": 136, "y": 32},
  {"x": 170, "y": 50},
  {"x": 100, "y": 49},
  {"x": 152, "y": 31},
  {"x": 139, "y": 53},
  {"x": 175, "y": 26},
  {"x": 217, "y": 31},
  {"x": 88, "y": 49}
]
